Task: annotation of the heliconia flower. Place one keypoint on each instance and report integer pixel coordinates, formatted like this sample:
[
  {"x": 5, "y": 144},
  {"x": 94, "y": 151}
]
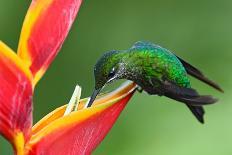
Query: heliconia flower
[
  {"x": 15, "y": 97},
  {"x": 80, "y": 131},
  {"x": 63, "y": 131},
  {"x": 45, "y": 27}
]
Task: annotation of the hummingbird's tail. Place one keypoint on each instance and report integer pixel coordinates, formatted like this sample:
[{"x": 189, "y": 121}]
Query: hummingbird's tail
[
  {"x": 190, "y": 97},
  {"x": 198, "y": 112},
  {"x": 195, "y": 104}
]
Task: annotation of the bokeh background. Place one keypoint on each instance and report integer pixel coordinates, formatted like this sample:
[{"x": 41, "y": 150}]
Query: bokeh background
[{"x": 197, "y": 30}]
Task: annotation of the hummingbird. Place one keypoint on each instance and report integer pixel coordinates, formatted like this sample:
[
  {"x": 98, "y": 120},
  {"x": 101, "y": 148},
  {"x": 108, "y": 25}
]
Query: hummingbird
[{"x": 155, "y": 70}]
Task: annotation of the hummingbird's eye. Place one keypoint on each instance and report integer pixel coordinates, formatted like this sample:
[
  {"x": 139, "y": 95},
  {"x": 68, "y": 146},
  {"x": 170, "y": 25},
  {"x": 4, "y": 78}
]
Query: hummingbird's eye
[{"x": 112, "y": 73}]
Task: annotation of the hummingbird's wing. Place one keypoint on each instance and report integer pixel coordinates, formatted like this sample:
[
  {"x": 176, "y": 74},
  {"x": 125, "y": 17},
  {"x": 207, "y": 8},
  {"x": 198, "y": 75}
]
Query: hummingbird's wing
[
  {"x": 186, "y": 95},
  {"x": 193, "y": 71}
]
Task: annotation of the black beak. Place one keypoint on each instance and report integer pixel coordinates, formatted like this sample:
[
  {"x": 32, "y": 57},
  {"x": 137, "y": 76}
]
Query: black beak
[{"x": 94, "y": 95}]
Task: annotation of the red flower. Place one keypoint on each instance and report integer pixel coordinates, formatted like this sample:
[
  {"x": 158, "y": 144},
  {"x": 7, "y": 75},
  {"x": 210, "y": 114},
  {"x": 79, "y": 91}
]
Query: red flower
[{"x": 46, "y": 26}]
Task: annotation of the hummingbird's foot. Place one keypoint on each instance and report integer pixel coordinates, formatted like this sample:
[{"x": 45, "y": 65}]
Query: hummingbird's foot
[{"x": 139, "y": 89}]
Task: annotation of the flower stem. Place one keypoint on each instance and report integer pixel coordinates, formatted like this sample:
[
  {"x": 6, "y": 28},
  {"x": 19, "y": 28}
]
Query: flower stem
[{"x": 19, "y": 143}]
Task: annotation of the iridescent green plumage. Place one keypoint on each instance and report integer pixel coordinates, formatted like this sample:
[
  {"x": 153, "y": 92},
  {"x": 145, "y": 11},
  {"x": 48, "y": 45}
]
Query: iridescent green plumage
[
  {"x": 145, "y": 61},
  {"x": 159, "y": 62},
  {"x": 156, "y": 70}
]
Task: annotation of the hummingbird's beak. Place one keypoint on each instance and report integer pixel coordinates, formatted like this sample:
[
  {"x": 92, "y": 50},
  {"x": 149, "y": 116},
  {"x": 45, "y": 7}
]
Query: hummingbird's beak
[{"x": 92, "y": 98}]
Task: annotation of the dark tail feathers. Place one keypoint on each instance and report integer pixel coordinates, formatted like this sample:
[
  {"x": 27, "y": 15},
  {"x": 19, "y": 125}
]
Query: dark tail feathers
[
  {"x": 198, "y": 112},
  {"x": 195, "y": 103}
]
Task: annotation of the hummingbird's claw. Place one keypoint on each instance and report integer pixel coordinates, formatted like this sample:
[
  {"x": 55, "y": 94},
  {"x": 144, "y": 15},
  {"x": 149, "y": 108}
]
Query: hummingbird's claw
[{"x": 139, "y": 89}]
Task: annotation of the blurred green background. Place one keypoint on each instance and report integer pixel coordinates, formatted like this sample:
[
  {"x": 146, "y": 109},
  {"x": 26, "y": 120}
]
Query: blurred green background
[{"x": 197, "y": 30}]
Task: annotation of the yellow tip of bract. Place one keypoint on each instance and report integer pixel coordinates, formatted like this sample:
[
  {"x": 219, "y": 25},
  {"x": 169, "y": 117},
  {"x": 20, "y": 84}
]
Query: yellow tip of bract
[{"x": 8, "y": 53}]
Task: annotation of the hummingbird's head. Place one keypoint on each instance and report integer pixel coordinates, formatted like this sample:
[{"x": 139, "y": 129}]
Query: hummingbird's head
[{"x": 107, "y": 69}]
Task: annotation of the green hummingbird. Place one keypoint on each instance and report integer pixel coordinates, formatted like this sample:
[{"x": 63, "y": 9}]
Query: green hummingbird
[{"x": 155, "y": 70}]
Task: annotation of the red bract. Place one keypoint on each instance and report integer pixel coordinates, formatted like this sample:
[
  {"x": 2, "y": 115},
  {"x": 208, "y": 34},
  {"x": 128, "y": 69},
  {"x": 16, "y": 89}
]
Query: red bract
[
  {"x": 80, "y": 131},
  {"x": 15, "y": 96},
  {"x": 46, "y": 26}
]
